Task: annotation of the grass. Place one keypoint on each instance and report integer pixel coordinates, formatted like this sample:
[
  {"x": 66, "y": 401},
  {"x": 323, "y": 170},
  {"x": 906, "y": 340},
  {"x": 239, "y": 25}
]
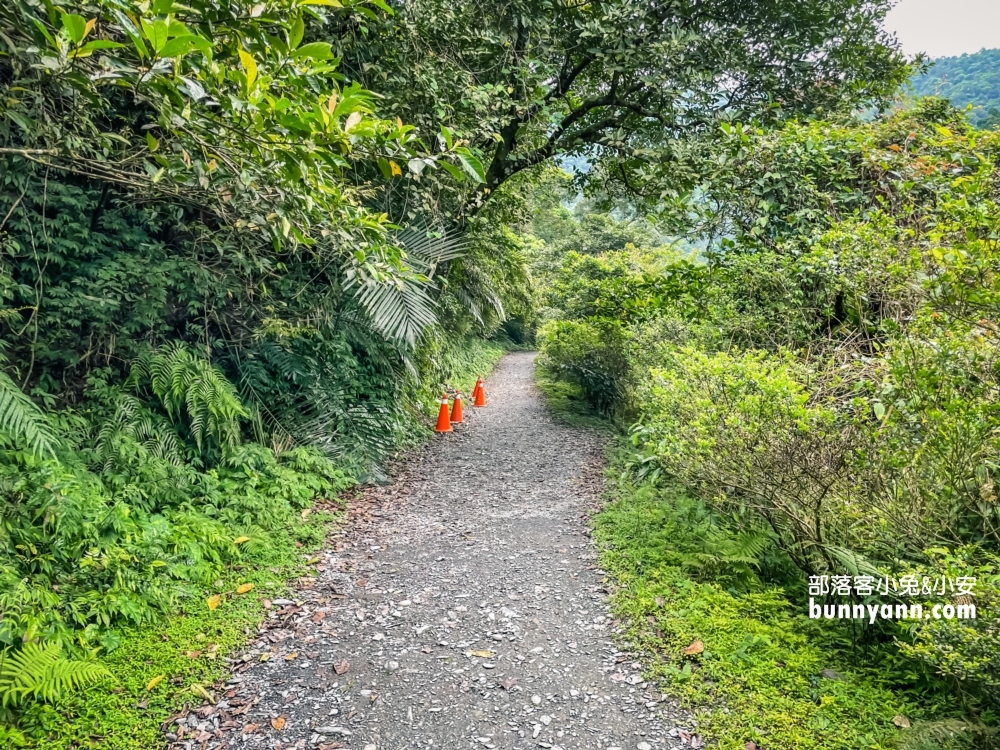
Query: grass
[
  {"x": 189, "y": 650},
  {"x": 759, "y": 677},
  {"x": 567, "y": 402}
]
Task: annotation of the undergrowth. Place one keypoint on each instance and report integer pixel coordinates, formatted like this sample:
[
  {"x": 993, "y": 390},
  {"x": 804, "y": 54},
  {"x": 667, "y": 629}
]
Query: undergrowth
[
  {"x": 135, "y": 558},
  {"x": 567, "y": 401},
  {"x": 760, "y": 676},
  {"x": 157, "y": 670},
  {"x": 683, "y": 578}
]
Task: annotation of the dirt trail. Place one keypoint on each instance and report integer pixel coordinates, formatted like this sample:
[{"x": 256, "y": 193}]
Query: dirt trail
[{"x": 464, "y": 609}]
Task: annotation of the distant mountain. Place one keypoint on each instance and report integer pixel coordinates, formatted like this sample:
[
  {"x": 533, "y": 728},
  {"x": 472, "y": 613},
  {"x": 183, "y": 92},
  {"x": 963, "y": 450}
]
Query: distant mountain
[{"x": 967, "y": 79}]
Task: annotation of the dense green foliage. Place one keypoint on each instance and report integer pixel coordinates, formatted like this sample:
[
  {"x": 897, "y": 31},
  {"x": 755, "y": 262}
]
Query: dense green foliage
[
  {"x": 203, "y": 328},
  {"x": 244, "y": 245},
  {"x": 618, "y": 81},
  {"x": 824, "y": 376},
  {"x": 972, "y": 78},
  {"x": 682, "y": 578}
]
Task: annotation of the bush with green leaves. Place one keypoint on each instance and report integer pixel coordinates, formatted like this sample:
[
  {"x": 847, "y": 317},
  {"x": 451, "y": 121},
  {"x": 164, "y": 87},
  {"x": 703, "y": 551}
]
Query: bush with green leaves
[{"x": 833, "y": 380}]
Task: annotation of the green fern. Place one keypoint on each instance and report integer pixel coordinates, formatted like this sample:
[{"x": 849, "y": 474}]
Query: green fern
[
  {"x": 21, "y": 421},
  {"x": 188, "y": 384},
  {"x": 131, "y": 421},
  {"x": 39, "y": 672}
]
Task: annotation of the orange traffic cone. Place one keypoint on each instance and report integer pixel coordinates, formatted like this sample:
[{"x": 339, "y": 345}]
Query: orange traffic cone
[
  {"x": 444, "y": 424},
  {"x": 456, "y": 410},
  {"x": 479, "y": 384},
  {"x": 480, "y": 394}
]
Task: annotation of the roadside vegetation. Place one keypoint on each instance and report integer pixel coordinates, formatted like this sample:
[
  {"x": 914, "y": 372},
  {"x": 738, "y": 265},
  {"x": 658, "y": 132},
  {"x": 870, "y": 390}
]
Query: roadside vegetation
[
  {"x": 244, "y": 246},
  {"x": 811, "y": 393}
]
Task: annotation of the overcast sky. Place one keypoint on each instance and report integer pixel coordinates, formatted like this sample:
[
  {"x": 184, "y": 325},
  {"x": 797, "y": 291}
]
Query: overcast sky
[{"x": 942, "y": 28}]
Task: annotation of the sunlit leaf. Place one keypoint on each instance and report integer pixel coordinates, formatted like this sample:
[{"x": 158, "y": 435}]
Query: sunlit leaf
[
  {"x": 75, "y": 27},
  {"x": 314, "y": 51},
  {"x": 250, "y": 66}
]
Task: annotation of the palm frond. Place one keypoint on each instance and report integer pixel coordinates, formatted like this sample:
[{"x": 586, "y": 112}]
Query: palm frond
[
  {"x": 427, "y": 246},
  {"x": 398, "y": 301},
  {"x": 400, "y": 308}
]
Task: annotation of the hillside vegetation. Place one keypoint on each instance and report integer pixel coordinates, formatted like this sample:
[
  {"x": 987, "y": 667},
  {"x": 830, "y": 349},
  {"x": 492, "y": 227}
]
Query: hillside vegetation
[
  {"x": 815, "y": 395},
  {"x": 244, "y": 245},
  {"x": 972, "y": 78}
]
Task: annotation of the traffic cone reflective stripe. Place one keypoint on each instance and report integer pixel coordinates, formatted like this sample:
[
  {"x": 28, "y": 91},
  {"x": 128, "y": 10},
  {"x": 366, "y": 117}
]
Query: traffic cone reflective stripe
[
  {"x": 444, "y": 423},
  {"x": 456, "y": 410},
  {"x": 479, "y": 398}
]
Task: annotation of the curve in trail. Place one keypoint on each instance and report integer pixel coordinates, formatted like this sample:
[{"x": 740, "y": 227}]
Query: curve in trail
[{"x": 464, "y": 609}]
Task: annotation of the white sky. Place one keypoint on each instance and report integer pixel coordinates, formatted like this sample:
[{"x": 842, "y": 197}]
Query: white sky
[{"x": 943, "y": 28}]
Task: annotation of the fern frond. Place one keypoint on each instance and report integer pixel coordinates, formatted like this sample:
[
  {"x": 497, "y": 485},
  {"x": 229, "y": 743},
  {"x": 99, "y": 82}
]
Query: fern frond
[
  {"x": 188, "y": 384},
  {"x": 21, "y": 421},
  {"x": 40, "y": 672}
]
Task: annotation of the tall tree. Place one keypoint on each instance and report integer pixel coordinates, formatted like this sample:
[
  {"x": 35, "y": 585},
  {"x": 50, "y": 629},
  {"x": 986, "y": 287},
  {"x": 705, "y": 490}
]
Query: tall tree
[{"x": 620, "y": 80}]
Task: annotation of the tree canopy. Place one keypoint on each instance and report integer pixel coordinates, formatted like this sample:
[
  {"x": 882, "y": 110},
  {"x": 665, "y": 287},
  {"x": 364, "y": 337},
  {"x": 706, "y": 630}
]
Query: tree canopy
[{"x": 619, "y": 80}]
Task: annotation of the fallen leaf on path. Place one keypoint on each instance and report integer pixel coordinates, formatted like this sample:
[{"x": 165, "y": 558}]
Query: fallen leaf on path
[
  {"x": 244, "y": 588},
  {"x": 507, "y": 683},
  {"x": 293, "y": 655},
  {"x": 278, "y": 722},
  {"x": 695, "y": 648},
  {"x": 483, "y": 654},
  {"x": 155, "y": 681},
  {"x": 251, "y": 728},
  {"x": 214, "y": 601},
  {"x": 266, "y": 603},
  {"x": 265, "y": 656},
  {"x": 362, "y": 582},
  {"x": 317, "y": 616},
  {"x": 202, "y": 692},
  {"x": 342, "y": 667}
]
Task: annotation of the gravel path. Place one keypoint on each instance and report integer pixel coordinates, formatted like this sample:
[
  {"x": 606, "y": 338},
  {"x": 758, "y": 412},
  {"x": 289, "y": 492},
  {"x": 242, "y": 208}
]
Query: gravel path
[{"x": 463, "y": 609}]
